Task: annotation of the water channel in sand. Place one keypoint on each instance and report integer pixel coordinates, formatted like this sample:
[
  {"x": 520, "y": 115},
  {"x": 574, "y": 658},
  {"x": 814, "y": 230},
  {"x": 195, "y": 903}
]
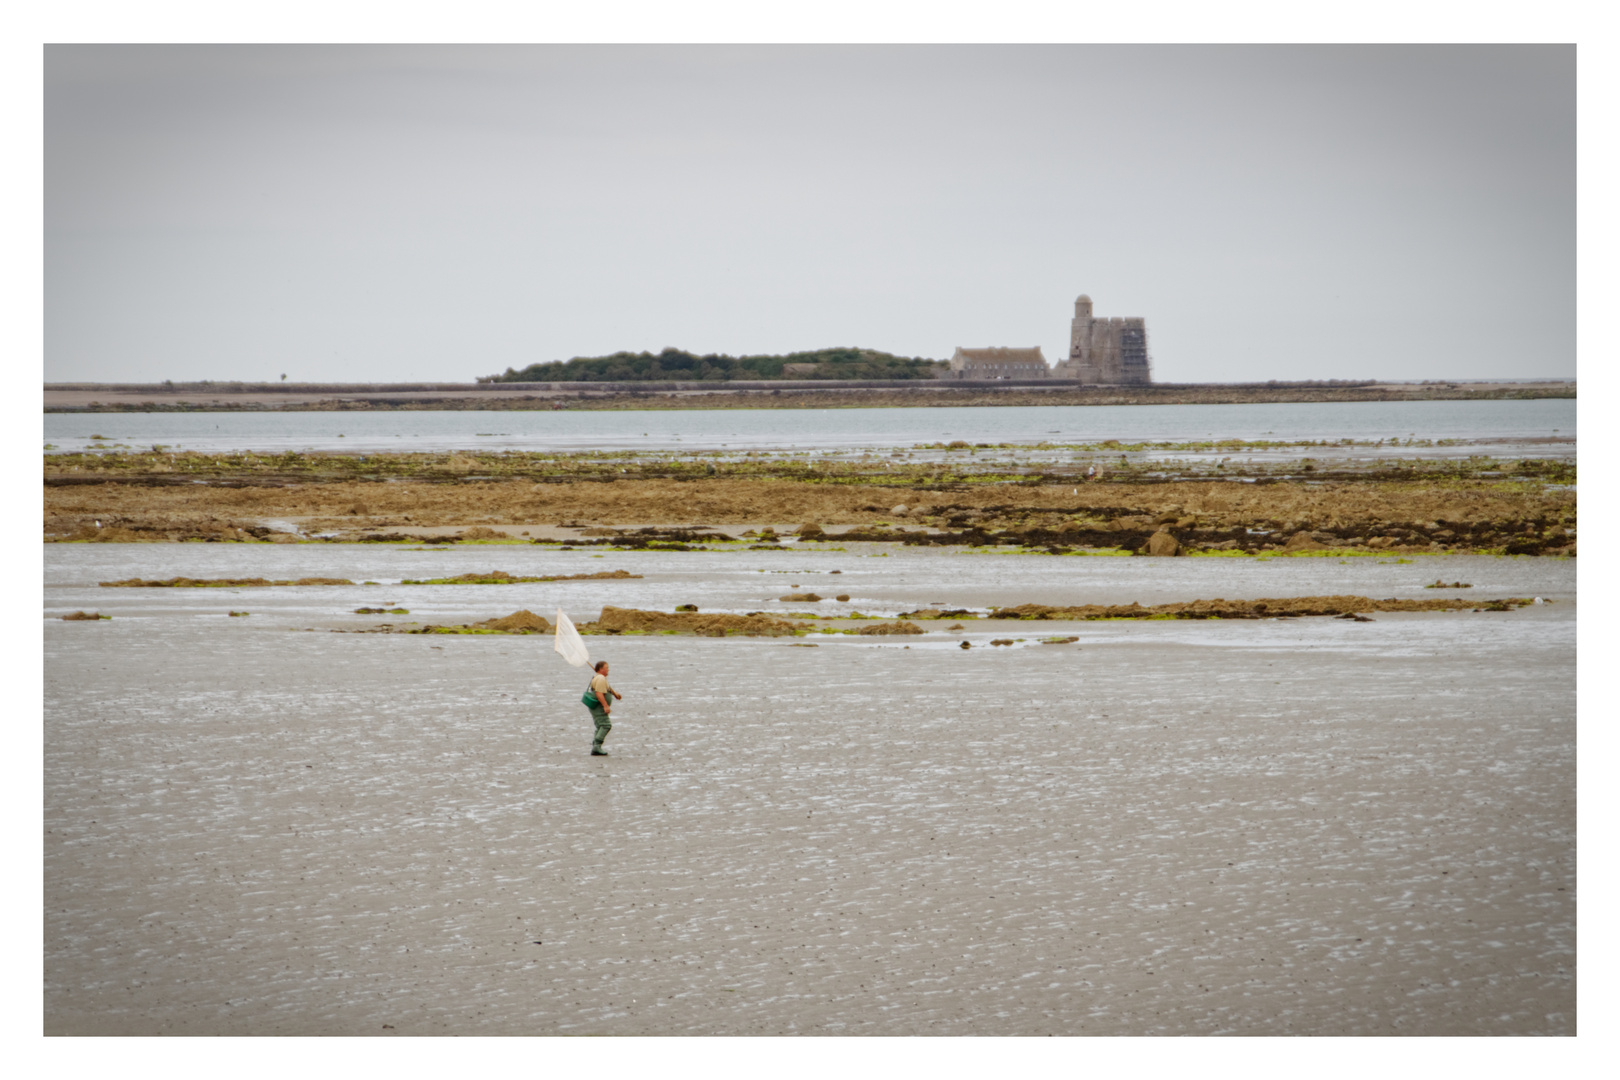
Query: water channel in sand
[
  {"x": 1531, "y": 422},
  {"x": 1276, "y": 826}
]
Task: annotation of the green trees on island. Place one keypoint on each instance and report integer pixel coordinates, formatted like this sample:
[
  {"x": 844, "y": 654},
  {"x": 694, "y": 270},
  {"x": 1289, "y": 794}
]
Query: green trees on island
[{"x": 679, "y": 365}]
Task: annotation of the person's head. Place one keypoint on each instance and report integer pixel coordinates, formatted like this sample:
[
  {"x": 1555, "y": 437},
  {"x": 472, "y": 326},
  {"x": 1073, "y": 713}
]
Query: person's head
[{"x": 601, "y": 667}]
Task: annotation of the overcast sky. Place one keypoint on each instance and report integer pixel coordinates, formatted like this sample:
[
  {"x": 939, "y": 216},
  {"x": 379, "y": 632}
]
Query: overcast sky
[{"x": 408, "y": 213}]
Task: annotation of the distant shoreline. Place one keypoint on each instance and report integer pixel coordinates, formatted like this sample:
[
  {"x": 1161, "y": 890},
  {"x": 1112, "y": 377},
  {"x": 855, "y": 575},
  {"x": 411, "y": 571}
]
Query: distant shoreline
[{"x": 383, "y": 397}]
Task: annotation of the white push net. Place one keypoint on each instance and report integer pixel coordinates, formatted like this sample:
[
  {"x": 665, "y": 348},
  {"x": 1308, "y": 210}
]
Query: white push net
[{"x": 570, "y": 646}]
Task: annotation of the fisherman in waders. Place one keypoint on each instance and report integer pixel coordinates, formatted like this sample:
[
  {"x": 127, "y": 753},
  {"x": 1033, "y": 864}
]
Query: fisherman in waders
[{"x": 599, "y": 699}]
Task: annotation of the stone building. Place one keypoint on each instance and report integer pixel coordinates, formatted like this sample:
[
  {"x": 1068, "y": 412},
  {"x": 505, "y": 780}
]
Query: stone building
[
  {"x": 999, "y": 363},
  {"x": 1108, "y": 351}
]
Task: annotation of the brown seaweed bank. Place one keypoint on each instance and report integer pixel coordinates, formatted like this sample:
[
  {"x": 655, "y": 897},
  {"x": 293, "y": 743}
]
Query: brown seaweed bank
[
  {"x": 615, "y": 620},
  {"x": 1518, "y": 517},
  {"x": 1272, "y": 608}
]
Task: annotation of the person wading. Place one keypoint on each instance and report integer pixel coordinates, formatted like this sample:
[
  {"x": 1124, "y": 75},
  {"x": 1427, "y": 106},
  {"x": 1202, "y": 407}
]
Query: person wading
[{"x": 599, "y": 699}]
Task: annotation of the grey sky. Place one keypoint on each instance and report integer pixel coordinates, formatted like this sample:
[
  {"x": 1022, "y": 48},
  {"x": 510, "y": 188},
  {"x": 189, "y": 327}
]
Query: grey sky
[{"x": 394, "y": 213}]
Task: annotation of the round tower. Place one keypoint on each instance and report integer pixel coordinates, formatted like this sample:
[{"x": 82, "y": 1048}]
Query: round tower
[{"x": 1080, "y": 330}]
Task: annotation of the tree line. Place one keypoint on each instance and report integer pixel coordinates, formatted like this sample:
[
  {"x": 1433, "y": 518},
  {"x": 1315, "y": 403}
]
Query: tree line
[{"x": 678, "y": 365}]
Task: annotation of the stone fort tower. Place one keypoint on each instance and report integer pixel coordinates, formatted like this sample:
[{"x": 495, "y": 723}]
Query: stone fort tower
[{"x": 1109, "y": 351}]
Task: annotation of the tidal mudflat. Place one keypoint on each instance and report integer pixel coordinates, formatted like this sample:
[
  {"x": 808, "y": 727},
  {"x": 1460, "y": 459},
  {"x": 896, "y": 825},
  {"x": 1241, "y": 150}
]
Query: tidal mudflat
[{"x": 254, "y": 825}]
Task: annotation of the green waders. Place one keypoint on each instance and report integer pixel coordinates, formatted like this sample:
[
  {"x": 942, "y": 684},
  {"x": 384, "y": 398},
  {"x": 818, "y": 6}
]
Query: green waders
[{"x": 603, "y": 726}]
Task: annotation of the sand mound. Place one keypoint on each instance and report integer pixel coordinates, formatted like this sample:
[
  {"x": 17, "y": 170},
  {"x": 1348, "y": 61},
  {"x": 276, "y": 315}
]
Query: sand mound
[
  {"x": 891, "y": 628},
  {"x": 517, "y": 622},
  {"x": 620, "y": 620}
]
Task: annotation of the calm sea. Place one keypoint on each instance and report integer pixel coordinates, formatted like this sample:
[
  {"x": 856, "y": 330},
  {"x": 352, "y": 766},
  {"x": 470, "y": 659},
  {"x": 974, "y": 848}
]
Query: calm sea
[{"x": 810, "y": 429}]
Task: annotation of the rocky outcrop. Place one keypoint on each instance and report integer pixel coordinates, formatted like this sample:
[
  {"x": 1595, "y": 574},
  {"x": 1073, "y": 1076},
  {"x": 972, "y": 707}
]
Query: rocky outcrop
[
  {"x": 1161, "y": 543},
  {"x": 518, "y": 622}
]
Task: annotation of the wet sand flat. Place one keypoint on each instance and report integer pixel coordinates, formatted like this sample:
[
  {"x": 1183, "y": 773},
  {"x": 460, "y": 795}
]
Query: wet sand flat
[{"x": 1165, "y": 828}]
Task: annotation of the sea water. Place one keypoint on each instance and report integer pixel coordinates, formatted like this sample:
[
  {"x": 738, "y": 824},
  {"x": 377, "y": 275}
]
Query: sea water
[{"x": 1531, "y": 421}]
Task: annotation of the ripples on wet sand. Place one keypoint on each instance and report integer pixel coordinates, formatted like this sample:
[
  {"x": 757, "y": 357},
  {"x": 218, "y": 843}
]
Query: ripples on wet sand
[{"x": 1169, "y": 828}]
